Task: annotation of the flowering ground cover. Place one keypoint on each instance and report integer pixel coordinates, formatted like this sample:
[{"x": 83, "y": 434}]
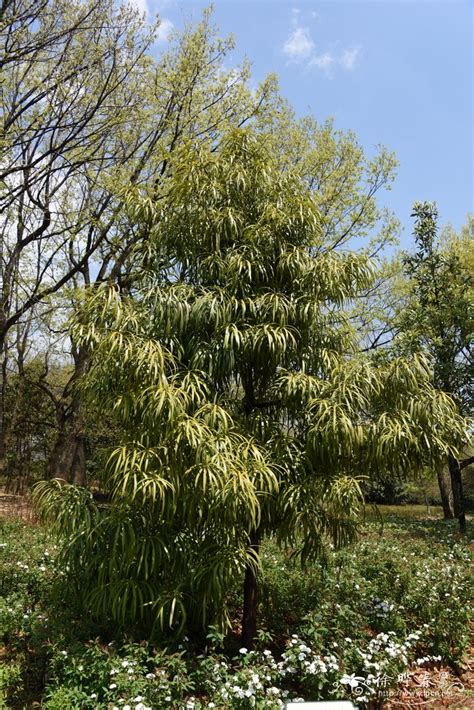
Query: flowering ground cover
[{"x": 362, "y": 623}]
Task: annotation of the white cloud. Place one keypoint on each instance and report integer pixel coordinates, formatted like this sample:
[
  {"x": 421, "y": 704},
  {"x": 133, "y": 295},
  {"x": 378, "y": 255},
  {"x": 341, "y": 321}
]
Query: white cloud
[
  {"x": 349, "y": 58},
  {"x": 301, "y": 49},
  {"x": 299, "y": 45},
  {"x": 295, "y": 14},
  {"x": 164, "y": 30},
  {"x": 322, "y": 61},
  {"x": 140, "y": 5}
]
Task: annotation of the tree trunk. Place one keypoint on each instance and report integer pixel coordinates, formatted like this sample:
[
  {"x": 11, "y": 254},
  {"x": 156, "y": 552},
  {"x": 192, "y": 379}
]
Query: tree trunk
[
  {"x": 249, "y": 616},
  {"x": 3, "y": 392},
  {"x": 445, "y": 490},
  {"x": 458, "y": 496},
  {"x": 68, "y": 458}
]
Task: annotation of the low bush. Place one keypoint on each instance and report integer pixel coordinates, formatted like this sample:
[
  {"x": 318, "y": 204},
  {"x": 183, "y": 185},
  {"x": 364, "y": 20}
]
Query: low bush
[{"x": 348, "y": 626}]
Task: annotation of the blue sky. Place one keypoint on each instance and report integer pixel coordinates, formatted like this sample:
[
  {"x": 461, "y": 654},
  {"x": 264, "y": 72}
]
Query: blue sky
[{"x": 397, "y": 73}]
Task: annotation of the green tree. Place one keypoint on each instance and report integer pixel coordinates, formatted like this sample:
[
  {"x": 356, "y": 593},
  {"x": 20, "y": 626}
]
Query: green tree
[
  {"x": 29, "y": 425},
  {"x": 437, "y": 318},
  {"x": 85, "y": 112},
  {"x": 244, "y": 413},
  {"x": 68, "y": 77},
  {"x": 344, "y": 181}
]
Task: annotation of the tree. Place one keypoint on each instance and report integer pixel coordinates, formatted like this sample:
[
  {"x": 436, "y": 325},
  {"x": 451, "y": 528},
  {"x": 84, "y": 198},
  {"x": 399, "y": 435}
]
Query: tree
[
  {"x": 94, "y": 114},
  {"x": 437, "y": 318},
  {"x": 66, "y": 100},
  {"x": 86, "y": 113},
  {"x": 243, "y": 413},
  {"x": 342, "y": 178},
  {"x": 29, "y": 426}
]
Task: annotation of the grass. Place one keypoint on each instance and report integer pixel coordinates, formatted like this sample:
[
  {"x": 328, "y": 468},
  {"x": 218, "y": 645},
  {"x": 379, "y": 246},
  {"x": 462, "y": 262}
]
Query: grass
[{"x": 420, "y": 512}]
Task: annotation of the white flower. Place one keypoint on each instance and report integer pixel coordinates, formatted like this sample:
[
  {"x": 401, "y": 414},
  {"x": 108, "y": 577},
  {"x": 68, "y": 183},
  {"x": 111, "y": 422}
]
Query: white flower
[
  {"x": 242, "y": 650},
  {"x": 138, "y": 699},
  {"x": 150, "y": 676},
  {"x": 93, "y": 695},
  {"x": 238, "y": 692},
  {"x": 112, "y": 686}
]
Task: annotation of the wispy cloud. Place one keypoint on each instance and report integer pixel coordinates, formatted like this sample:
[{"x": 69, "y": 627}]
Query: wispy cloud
[
  {"x": 165, "y": 27},
  {"x": 349, "y": 58},
  {"x": 300, "y": 48},
  {"x": 322, "y": 61},
  {"x": 164, "y": 30},
  {"x": 295, "y": 13},
  {"x": 299, "y": 45}
]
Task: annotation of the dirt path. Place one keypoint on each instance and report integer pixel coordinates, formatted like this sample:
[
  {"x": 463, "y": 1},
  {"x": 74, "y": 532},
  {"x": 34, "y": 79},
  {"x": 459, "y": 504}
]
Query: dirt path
[{"x": 16, "y": 506}]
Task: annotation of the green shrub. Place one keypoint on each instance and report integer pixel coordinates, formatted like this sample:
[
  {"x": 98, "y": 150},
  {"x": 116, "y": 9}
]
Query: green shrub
[{"x": 10, "y": 682}]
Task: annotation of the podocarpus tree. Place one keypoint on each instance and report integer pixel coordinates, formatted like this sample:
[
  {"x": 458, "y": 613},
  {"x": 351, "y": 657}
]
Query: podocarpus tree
[{"x": 245, "y": 414}]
